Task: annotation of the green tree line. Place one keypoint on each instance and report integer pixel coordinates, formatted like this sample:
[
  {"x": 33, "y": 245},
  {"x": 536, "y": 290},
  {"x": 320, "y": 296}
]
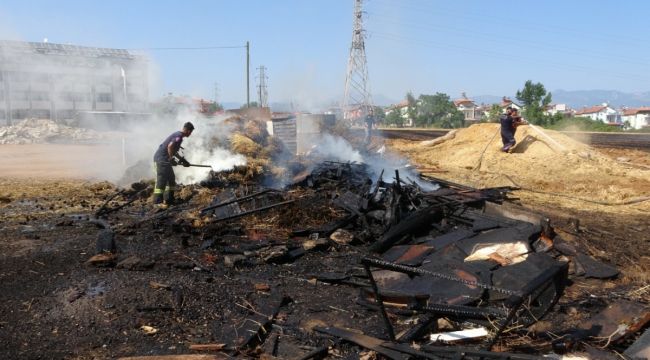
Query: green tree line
[{"x": 427, "y": 111}]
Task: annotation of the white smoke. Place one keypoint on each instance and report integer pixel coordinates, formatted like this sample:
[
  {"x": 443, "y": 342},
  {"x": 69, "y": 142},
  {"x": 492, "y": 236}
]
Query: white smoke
[
  {"x": 335, "y": 148},
  {"x": 201, "y": 150}
]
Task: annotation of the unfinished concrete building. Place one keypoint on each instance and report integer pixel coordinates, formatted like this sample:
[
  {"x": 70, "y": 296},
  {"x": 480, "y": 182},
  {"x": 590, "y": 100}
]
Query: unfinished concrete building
[{"x": 60, "y": 82}]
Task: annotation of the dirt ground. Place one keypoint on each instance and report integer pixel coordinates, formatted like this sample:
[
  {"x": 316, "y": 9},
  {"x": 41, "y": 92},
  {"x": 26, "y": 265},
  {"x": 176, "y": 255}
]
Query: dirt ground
[
  {"x": 56, "y": 306},
  {"x": 59, "y": 161}
]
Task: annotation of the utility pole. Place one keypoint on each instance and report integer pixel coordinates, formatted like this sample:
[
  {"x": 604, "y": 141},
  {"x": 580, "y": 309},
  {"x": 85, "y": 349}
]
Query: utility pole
[
  {"x": 357, "y": 88},
  {"x": 261, "y": 88},
  {"x": 248, "y": 67}
]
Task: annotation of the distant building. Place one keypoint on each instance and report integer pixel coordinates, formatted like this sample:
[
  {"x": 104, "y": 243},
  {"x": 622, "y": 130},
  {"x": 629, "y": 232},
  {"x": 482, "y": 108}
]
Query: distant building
[
  {"x": 483, "y": 112},
  {"x": 402, "y": 109},
  {"x": 56, "y": 81},
  {"x": 637, "y": 117},
  {"x": 173, "y": 104},
  {"x": 603, "y": 113},
  {"x": 552, "y": 109},
  {"x": 505, "y": 102},
  {"x": 468, "y": 108}
]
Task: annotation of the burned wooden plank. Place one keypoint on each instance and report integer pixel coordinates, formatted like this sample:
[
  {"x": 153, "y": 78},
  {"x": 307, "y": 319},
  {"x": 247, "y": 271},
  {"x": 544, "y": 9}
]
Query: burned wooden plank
[
  {"x": 411, "y": 255},
  {"x": 234, "y": 216},
  {"x": 177, "y": 357},
  {"x": 461, "y": 352},
  {"x": 618, "y": 320},
  {"x": 424, "y": 325},
  {"x": 350, "y": 201},
  {"x": 441, "y": 241},
  {"x": 594, "y": 268},
  {"x": 420, "y": 219},
  {"x": 252, "y": 329},
  {"x": 317, "y": 353},
  {"x": 231, "y": 199},
  {"x": 362, "y": 340},
  {"x": 207, "y": 347},
  {"x": 640, "y": 349}
]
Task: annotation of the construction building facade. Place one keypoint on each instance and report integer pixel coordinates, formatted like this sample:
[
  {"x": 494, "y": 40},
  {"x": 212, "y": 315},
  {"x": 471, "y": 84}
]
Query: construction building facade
[{"x": 61, "y": 82}]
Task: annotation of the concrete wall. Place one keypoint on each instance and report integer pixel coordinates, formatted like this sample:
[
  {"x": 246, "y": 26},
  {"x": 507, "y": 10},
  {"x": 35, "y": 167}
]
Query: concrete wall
[{"x": 308, "y": 129}]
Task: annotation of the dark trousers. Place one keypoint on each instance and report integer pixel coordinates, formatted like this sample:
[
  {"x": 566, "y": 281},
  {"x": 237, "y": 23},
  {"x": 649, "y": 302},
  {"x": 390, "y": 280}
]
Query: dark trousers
[
  {"x": 165, "y": 183},
  {"x": 368, "y": 138},
  {"x": 508, "y": 139}
]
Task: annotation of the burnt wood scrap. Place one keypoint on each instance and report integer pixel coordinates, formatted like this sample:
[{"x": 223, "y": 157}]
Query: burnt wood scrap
[
  {"x": 253, "y": 327},
  {"x": 415, "y": 257},
  {"x": 137, "y": 191},
  {"x": 365, "y": 341},
  {"x": 450, "y": 292},
  {"x": 229, "y": 207},
  {"x": 399, "y": 351}
]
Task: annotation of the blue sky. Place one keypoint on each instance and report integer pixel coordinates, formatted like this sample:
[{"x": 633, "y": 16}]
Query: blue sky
[{"x": 425, "y": 46}]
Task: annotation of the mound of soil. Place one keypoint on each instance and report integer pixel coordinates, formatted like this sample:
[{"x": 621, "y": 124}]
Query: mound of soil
[{"x": 559, "y": 166}]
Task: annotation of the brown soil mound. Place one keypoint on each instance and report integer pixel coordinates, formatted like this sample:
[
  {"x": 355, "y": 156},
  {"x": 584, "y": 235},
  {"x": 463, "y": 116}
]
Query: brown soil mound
[{"x": 569, "y": 173}]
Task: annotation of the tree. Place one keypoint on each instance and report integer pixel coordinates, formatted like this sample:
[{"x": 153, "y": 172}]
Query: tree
[
  {"x": 411, "y": 110},
  {"x": 494, "y": 113},
  {"x": 380, "y": 114},
  {"x": 253, "y": 105},
  {"x": 394, "y": 117},
  {"x": 214, "y": 107},
  {"x": 535, "y": 99},
  {"x": 438, "y": 110}
]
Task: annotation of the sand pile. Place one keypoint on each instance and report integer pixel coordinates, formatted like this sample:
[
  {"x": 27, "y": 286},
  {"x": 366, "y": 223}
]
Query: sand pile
[
  {"x": 37, "y": 131},
  {"x": 473, "y": 157}
]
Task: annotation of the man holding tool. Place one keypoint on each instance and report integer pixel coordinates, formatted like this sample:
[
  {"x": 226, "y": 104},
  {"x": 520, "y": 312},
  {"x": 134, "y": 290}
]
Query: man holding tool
[{"x": 164, "y": 159}]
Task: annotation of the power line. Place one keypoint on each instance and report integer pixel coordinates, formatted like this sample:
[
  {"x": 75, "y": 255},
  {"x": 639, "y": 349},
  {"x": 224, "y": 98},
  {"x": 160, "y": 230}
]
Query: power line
[
  {"x": 496, "y": 54},
  {"x": 501, "y": 39},
  {"x": 476, "y": 17},
  {"x": 188, "y": 48}
]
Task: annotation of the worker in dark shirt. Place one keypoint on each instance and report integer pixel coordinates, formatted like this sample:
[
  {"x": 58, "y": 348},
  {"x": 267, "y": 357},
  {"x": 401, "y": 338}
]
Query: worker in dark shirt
[
  {"x": 509, "y": 122},
  {"x": 370, "y": 122},
  {"x": 507, "y": 130},
  {"x": 163, "y": 192}
]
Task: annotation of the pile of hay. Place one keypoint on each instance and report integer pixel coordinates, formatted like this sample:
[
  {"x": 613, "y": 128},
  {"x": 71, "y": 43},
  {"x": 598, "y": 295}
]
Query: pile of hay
[
  {"x": 265, "y": 154},
  {"x": 473, "y": 157}
]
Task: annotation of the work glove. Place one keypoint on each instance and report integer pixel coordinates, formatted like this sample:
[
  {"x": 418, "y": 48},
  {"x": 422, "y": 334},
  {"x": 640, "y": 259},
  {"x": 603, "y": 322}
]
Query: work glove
[
  {"x": 173, "y": 162},
  {"x": 184, "y": 162}
]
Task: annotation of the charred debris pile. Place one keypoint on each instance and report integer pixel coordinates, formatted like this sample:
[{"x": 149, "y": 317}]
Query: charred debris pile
[{"x": 446, "y": 272}]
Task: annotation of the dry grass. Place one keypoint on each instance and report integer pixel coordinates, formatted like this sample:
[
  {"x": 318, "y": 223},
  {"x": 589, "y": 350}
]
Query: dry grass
[{"x": 244, "y": 145}]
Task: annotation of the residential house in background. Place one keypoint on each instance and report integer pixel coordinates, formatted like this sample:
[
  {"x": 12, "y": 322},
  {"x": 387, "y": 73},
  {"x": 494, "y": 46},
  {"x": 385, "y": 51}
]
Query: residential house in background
[
  {"x": 637, "y": 117},
  {"x": 402, "y": 108},
  {"x": 552, "y": 109},
  {"x": 505, "y": 102},
  {"x": 483, "y": 112},
  {"x": 603, "y": 113},
  {"x": 468, "y": 108}
]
